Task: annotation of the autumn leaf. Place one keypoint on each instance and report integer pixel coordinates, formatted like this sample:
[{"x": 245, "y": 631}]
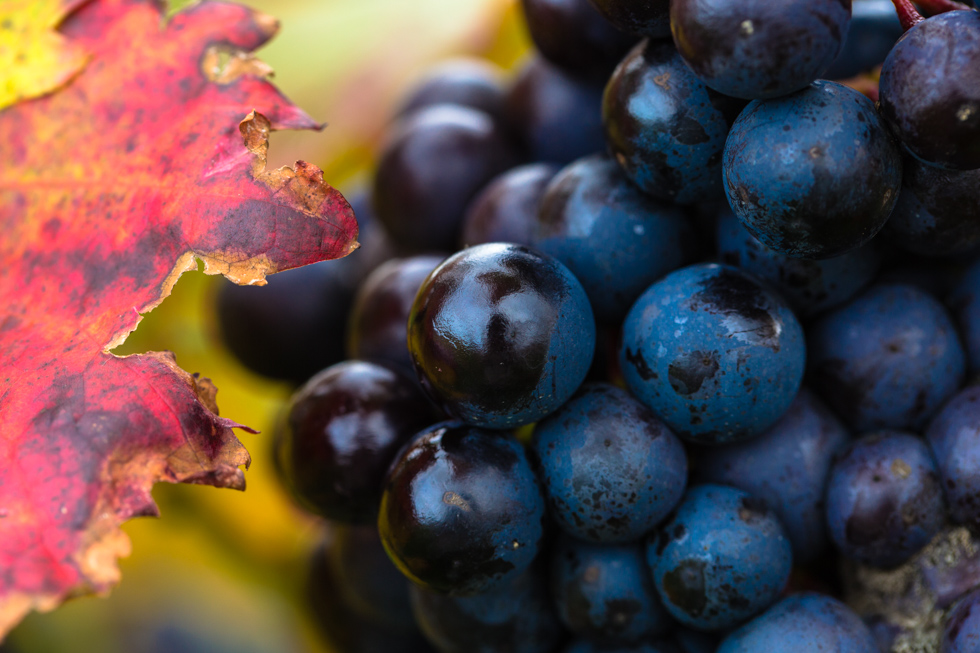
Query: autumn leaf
[{"x": 150, "y": 158}]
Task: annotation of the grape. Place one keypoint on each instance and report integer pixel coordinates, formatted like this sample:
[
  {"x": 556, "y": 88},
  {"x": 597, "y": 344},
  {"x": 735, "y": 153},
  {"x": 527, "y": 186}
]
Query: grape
[
  {"x": 813, "y": 174},
  {"x": 787, "y": 467},
  {"x": 665, "y": 127},
  {"x": 501, "y": 335},
  {"x": 938, "y": 211},
  {"x": 954, "y": 436},
  {"x": 884, "y": 499},
  {"x": 516, "y": 618},
  {"x": 961, "y": 633},
  {"x": 888, "y": 358},
  {"x": 343, "y": 429},
  {"x": 433, "y": 163},
  {"x": 966, "y": 310},
  {"x": 378, "y": 327},
  {"x": 757, "y": 49},
  {"x": 611, "y": 470},
  {"x": 473, "y": 83},
  {"x": 591, "y": 202},
  {"x": 803, "y": 623},
  {"x": 588, "y": 646},
  {"x": 810, "y": 287},
  {"x": 641, "y": 17},
  {"x": 604, "y": 591},
  {"x": 720, "y": 559},
  {"x": 557, "y": 116},
  {"x": 930, "y": 90},
  {"x": 572, "y": 35},
  {"x": 716, "y": 354},
  {"x": 873, "y": 31},
  {"x": 505, "y": 209},
  {"x": 462, "y": 512}
]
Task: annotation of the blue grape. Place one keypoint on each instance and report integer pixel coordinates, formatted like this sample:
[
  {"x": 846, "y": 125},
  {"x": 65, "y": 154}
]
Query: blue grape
[
  {"x": 716, "y": 354},
  {"x": 884, "y": 499},
  {"x": 813, "y": 174},
  {"x": 720, "y": 559},
  {"x": 604, "y": 591},
  {"x": 611, "y": 470},
  {"x": 614, "y": 238},
  {"x": 501, "y": 335},
  {"x": 872, "y": 34},
  {"x": 954, "y": 436},
  {"x": 516, "y": 618},
  {"x": 462, "y": 511},
  {"x": 665, "y": 127},
  {"x": 787, "y": 467},
  {"x": 756, "y": 49},
  {"x": 961, "y": 632},
  {"x": 803, "y": 623},
  {"x": 887, "y": 359},
  {"x": 809, "y": 286},
  {"x": 964, "y": 303}
]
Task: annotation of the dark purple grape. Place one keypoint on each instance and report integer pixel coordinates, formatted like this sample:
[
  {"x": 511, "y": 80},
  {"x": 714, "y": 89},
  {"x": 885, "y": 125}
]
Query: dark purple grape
[
  {"x": 938, "y": 211},
  {"x": 803, "y": 623},
  {"x": 884, "y": 498},
  {"x": 961, "y": 633},
  {"x": 813, "y": 174},
  {"x": 474, "y": 83},
  {"x": 558, "y": 116},
  {"x": 889, "y": 358},
  {"x": 433, "y": 163},
  {"x": 572, "y": 35},
  {"x": 345, "y": 629},
  {"x": 717, "y": 355},
  {"x": 462, "y": 512},
  {"x": 755, "y": 49},
  {"x": 964, "y": 302},
  {"x": 501, "y": 335},
  {"x": 378, "y": 327},
  {"x": 505, "y": 210},
  {"x": 665, "y": 127},
  {"x": 611, "y": 470},
  {"x": 516, "y": 618},
  {"x": 342, "y": 430},
  {"x": 720, "y": 559},
  {"x": 604, "y": 591},
  {"x": 787, "y": 467},
  {"x": 640, "y": 17},
  {"x": 930, "y": 90},
  {"x": 614, "y": 238},
  {"x": 872, "y": 34},
  {"x": 954, "y": 436},
  {"x": 809, "y": 286}
]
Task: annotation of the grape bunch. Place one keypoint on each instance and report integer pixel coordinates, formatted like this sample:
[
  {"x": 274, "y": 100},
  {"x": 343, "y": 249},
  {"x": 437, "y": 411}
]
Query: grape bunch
[{"x": 662, "y": 345}]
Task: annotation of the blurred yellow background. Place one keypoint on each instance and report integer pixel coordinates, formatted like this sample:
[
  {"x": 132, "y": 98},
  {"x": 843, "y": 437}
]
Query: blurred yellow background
[{"x": 221, "y": 570}]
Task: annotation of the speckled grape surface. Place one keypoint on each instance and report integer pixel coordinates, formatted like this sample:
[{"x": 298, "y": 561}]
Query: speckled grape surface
[{"x": 714, "y": 352}]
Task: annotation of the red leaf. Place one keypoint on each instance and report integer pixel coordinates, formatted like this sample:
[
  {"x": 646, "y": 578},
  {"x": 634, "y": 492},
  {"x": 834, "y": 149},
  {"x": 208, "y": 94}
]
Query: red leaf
[{"x": 110, "y": 188}]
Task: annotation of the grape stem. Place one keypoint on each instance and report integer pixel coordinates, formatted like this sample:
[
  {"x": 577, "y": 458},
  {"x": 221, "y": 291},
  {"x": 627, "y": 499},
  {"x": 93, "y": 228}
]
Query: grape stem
[{"x": 908, "y": 15}]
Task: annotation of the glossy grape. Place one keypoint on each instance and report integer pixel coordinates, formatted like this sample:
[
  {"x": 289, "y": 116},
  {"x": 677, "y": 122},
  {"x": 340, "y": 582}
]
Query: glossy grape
[
  {"x": 888, "y": 358},
  {"x": 342, "y": 430},
  {"x": 833, "y": 180},
  {"x": 665, "y": 127},
  {"x": 757, "y": 49},
  {"x": 501, "y": 335},
  {"x": 604, "y": 591},
  {"x": 505, "y": 210},
  {"x": 716, "y": 354},
  {"x": 591, "y": 201},
  {"x": 884, "y": 499},
  {"x": 803, "y": 623},
  {"x": 720, "y": 559},
  {"x": 432, "y": 164},
  {"x": 462, "y": 511},
  {"x": 611, "y": 470},
  {"x": 930, "y": 90},
  {"x": 954, "y": 437}
]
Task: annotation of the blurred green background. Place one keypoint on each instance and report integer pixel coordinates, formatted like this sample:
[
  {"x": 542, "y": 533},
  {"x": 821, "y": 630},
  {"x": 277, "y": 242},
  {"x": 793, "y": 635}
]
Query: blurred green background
[{"x": 221, "y": 570}]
